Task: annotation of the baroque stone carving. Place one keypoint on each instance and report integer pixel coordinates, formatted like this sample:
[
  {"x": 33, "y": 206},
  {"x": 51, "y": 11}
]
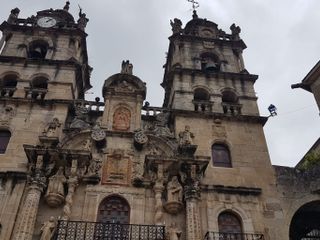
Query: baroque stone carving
[
  {"x": 55, "y": 192},
  {"x": 117, "y": 168},
  {"x": 235, "y": 31},
  {"x": 174, "y": 233},
  {"x": 47, "y": 229},
  {"x": 186, "y": 146},
  {"x": 13, "y": 15},
  {"x": 186, "y": 137},
  {"x": 82, "y": 21},
  {"x": 51, "y": 129},
  {"x": 126, "y": 67},
  {"x": 81, "y": 112},
  {"x": 140, "y": 139},
  {"x": 6, "y": 115},
  {"x": 174, "y": 196},
  {"x": 121, "y": 119},
  {"x": 176, "y": 25}
]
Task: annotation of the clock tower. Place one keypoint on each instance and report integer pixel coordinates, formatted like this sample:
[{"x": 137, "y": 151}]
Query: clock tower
[{"x": 49, "y": 55}]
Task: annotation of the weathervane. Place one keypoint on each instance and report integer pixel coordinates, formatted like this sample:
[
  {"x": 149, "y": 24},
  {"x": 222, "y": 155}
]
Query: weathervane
[{"x": 194, "y": 4}]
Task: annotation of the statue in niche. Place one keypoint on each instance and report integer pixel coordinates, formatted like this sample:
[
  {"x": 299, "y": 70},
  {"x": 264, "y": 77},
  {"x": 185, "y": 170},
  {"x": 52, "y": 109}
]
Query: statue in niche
[
  {"x": 47, "y": 229},
  {"x": 186, "y": 137},
  {"x": 121, "y": 119},
  {"x": 126, "y": 67},
  {"x": 176, "y": 25},
  {"x": 174, "y": 232},
  {"x": 51, "y": 129},
  {"x": 174, "y": 190},
  {"x": 55, "y": 192}
]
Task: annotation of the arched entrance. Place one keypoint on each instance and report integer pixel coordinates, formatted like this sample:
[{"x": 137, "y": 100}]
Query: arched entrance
[
  {"x": 230, "y": 226},
  {"x": 114, "y": 209},
  {"x": 305, "y": 224}
]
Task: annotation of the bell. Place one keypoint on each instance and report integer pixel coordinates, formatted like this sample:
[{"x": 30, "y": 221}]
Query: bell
[
  {"x": 211, "y": 66},
  {"x": 36, "y": 53}
]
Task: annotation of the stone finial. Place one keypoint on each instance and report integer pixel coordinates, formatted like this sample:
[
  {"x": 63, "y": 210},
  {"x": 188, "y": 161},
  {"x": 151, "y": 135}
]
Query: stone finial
[
  {"x": 176, "y": 25},
  {"x": 13, "y": 15},
  {"x": 195, "y": 15},
  {"x": 235, "y": 31},
  {"x": 126, "y": 67},
  {"x": 67, "y": 6}
]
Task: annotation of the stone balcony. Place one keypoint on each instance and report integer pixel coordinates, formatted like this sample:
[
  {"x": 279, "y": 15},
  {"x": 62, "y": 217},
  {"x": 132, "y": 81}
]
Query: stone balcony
[
  {"x": 202, "y": 106},
  {"x": 233, "y": 236},
  {"x": 231, "y": 108},
  {"x": 7, "y": 91},
  {"x": 35, "y": 93},
  {"x": 76, "y": 230}
]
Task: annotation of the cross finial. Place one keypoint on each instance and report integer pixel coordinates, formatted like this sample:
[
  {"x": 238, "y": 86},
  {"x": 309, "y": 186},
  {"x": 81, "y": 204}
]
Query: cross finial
[{"x": 194, "y": 4}]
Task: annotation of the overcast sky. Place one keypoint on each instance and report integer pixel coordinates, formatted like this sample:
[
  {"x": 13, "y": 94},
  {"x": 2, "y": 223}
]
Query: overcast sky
[{"x": 282, "y": 36}]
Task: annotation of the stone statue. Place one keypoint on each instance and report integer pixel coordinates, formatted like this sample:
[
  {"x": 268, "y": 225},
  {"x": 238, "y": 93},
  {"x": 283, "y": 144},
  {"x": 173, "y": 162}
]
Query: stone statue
[
  {"x": 176, "y": 25},
  {"x": 13, "y": 15},
  {"x": 186, "y": 137},
  {"x": 82, "y": 21},
  {"x": 126, "y": 67},
  {"x": 174, "y": 232},
  {"x": 51, "y": 129},
  {"x": 94, "y": 167},
  {"x": 55, "y": 192},
  {"x": 67, "y": 6},
  {"x": 235, "y": 31},
  {"x": 174, "y": 190},
  {"x": 47, "y": 229}
]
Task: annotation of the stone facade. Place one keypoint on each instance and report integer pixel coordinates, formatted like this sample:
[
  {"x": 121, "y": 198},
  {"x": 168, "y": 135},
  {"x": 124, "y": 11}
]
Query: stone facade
[{"x": 196, "y": 168}]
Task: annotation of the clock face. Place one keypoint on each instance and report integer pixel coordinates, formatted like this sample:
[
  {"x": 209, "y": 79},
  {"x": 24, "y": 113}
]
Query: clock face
[{"x": 47, "y": 22}]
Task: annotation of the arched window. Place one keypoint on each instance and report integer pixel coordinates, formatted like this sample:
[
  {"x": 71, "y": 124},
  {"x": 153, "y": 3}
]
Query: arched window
[
  {"x": 210, "y": 62},
  {"x": 230, "y": 225},
  {"x": 221, "y": 155},
  {"x": 229, "y": 97},
  {"x": 39, "y": 86},
  {"x": 114, "y": 209},
  {"x": 201, "y": 100},
  {"x": 230, "y": 103},
  {"x": 5, "y": 136},
  {"x": 38, "y": 49},
  {"x": 9, "y": 84}
]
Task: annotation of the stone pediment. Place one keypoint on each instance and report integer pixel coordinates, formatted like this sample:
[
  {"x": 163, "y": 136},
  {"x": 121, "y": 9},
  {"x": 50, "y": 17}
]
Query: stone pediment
[{"x": 124, "y": 83}]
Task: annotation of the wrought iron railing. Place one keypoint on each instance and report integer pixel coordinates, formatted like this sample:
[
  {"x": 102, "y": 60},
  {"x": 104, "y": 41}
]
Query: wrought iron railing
[
  {"x": 233, "y": 236},
  {"x": 75, "y": 230}
]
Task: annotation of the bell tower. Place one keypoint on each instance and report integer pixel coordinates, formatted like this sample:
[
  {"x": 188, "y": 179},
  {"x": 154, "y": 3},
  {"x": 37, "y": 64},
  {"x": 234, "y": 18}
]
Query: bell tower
[
  {"x": 44, "y": 56},
  {"x": 205, "y": 71}
]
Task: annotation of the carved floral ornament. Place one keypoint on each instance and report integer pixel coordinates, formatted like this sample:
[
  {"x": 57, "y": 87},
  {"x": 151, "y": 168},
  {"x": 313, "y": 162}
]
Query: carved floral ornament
[{"x": 6, "y": 115}]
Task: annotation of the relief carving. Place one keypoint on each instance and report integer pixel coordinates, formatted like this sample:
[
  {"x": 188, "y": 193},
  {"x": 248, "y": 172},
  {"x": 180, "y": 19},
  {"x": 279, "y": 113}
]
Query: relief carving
[
  {"x": 117, "y": 169},
  {"x": 140, "y": 139},
  {"x": 218, "y": 130},
  {"x": 121, "y": 119},
  {"x": 51, "y": 130},
  {"x": 6, "y": 115}
]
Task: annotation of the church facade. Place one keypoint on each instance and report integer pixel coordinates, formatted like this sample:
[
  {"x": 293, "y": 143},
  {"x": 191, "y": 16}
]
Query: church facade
[{"x": 196, "y": 168}]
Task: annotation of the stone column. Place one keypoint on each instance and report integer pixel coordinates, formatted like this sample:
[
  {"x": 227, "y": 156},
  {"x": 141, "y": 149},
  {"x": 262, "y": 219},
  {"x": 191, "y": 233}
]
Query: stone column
[
  {"x": 27, "y": 217},
  {"x": 158, "y": 189},
  {"x": 193, "y": 226}
]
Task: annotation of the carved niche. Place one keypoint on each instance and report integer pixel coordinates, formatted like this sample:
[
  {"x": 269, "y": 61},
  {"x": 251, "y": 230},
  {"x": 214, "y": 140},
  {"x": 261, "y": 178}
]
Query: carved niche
[
  {"x": 121, "y": 119},
  {"x": 117, "y": 168}
]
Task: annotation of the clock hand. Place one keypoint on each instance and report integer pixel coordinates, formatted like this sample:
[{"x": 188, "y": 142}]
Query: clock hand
[{"x": 49, "y": 20}]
